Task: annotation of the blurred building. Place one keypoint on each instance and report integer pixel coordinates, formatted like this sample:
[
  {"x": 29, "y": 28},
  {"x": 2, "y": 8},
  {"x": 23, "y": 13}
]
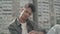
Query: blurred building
[
  {"x": 44, "y": 14},
  {"x": 5, "y": 15}
]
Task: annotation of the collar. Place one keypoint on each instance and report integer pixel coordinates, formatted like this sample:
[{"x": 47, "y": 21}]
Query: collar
[{"x": 18, "y": 22}]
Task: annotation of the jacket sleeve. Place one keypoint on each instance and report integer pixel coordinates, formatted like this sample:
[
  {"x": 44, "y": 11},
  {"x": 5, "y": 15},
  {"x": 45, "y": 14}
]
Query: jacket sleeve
[{"x": 12, "y": 30}]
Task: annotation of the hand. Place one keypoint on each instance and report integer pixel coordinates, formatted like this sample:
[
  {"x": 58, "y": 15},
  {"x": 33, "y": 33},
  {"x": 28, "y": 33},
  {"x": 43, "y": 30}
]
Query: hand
[
  {"x": 33, "y": 32},
  {"x": 41, "y": 33}
]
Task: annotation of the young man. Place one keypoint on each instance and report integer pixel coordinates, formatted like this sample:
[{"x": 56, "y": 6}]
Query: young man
[{"x": 22, "y": 25}]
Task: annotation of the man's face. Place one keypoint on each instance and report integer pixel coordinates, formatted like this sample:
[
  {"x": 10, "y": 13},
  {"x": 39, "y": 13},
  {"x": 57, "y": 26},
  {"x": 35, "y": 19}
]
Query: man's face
[{"x": 25, "y": 13}]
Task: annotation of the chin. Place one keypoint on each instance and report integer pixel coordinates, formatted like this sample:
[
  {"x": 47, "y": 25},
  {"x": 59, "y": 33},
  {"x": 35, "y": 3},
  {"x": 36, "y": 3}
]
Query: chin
[{"x": 26, "y": 18}]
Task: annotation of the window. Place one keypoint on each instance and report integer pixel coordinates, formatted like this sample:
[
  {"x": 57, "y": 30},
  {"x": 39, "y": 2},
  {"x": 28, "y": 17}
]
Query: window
[
  {"x": 6, "y": 10},
  {"x": 39, "y": 15},
  {"x": 45, "y": 11},
  {"x": 6, "y": 0},
  {"x": 0, "y": 7},
  {"x": 45, "y": 2},
  {"x": 6, "y": 13},
  {"x": 45, "y": 21},
  {"x": 0, "y": 0},
  {"x": 58, "y": 21},
  {"x": 0, "y": 17},
  {"x": 57, "y": 4}
]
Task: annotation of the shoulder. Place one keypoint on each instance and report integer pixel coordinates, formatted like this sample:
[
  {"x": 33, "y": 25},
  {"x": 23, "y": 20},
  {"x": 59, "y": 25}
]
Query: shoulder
[
  {"x": 56, "y": 26},
  {"x": 54, "y": 29},
  {"x": 12, "y": 24}
]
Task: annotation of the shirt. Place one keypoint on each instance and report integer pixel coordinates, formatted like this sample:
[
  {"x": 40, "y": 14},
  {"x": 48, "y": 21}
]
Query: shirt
[{"x": 24, "y": 28}]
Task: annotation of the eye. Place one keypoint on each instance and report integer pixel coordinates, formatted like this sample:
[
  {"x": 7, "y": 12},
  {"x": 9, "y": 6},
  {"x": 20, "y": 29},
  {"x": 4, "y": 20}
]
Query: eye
[{"x": 28, "y": 12}]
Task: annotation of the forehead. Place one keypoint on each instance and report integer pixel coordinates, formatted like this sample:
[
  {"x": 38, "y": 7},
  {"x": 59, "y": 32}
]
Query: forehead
[{"x": 28, "y": 9}]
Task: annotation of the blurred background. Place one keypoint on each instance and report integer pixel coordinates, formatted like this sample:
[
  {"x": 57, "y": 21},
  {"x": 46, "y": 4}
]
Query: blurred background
[{"x": 47, "y": 13}]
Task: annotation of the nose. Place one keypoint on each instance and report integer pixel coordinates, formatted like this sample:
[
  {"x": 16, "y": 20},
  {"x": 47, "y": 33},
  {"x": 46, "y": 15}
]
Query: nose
[{"x": 27, "y": 15}]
